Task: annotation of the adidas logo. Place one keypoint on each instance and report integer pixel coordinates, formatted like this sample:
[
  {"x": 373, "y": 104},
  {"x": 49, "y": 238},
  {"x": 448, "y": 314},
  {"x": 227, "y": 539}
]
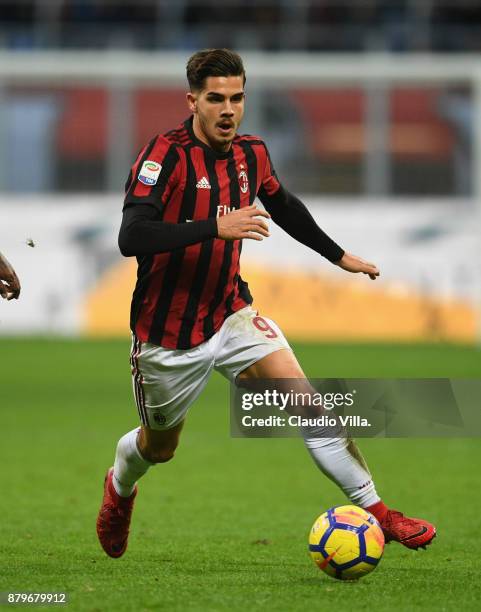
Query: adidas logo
[{"x": 203, "y": 183}]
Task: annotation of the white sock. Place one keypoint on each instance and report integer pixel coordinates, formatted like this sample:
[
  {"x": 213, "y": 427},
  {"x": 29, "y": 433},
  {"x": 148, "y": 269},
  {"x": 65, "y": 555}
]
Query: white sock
[
  {"x": 129, "y": 464},
  {"x": 342, "y": 462}
]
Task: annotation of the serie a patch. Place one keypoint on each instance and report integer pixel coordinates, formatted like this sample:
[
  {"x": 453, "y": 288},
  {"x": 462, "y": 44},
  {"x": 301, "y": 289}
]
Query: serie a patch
[{"x": 149, "y": 173}]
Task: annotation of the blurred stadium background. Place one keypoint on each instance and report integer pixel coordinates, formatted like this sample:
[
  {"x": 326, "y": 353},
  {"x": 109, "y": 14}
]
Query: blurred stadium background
[{"x": 372, "y": 113}]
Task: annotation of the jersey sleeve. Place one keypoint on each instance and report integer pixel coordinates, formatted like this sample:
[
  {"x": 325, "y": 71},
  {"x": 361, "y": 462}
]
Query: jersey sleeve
[
  {"x": 270, "y": 183},
  {"x": 154, "y": 175}
]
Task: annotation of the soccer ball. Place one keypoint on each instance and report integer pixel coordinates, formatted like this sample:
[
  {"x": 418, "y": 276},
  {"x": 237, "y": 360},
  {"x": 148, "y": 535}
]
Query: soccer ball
[{"x": 346, "y": 542}]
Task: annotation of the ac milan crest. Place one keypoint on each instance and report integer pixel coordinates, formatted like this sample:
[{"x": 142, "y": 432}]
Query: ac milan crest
[{"x": 243, "y": 181}]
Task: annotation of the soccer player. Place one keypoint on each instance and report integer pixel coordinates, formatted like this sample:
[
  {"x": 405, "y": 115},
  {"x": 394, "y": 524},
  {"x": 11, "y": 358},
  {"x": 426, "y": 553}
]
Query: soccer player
[
  {"x": 189, "y": 203},
  {"x": 9, "y": 283}
]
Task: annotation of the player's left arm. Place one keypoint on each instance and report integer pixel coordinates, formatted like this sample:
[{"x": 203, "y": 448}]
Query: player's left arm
[{"x": 292, "y": 215}]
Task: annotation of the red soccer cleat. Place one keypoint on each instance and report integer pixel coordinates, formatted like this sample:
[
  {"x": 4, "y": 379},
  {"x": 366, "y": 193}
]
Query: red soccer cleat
[
  {"x": 114, "y": 518},
  {"x": 410, "y": 532}
]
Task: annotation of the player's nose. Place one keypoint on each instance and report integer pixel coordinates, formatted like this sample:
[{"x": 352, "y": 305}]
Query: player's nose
[{"x": 227, "y": 111}]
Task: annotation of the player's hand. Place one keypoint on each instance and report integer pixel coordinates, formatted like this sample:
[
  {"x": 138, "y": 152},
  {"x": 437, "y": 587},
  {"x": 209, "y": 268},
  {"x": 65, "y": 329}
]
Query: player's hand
[
  {"x": 9, "y": 283},
  {"x": 243, "y": 223},
  {"x": 352, "y": 263}
]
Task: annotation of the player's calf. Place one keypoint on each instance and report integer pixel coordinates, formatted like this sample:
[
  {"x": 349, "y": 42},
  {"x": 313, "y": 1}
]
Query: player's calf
[
  {"x": 158, "y": 446},
  {"x": 158, "y": 455}
]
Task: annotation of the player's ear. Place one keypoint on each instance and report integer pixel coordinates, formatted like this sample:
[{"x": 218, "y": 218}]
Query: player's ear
[{"x": 192, "y": 102}]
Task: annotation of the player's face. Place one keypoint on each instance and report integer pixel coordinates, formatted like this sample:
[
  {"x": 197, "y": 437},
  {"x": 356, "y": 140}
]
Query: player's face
[{"x": 218, "y": 110}]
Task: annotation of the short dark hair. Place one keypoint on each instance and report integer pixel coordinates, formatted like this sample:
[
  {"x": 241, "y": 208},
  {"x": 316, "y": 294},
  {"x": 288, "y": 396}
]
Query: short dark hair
[{"x": 213, "y": 62}]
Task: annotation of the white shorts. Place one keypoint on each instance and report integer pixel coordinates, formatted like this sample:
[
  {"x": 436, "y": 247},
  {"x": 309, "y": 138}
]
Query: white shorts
[{"x": 166, "y": 382}]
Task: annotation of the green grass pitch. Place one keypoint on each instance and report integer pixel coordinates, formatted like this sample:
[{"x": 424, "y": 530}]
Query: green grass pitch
[{"x": 224, "y": 525}]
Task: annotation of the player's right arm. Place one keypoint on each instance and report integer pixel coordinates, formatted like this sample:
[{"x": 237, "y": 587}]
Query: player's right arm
[
  {"x": 243, "y": 223},
  {"x": 141, "y": 233},
  {"x": 9, "y": 283}
]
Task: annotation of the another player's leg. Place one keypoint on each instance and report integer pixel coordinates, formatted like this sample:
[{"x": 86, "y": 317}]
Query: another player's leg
[
  {"x": 137, "y": 451},
  {"x": 340, "y": 459}
]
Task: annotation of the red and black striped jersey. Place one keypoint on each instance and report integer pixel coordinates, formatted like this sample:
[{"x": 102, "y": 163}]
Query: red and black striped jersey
[{"x": 183, "y": 296}]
